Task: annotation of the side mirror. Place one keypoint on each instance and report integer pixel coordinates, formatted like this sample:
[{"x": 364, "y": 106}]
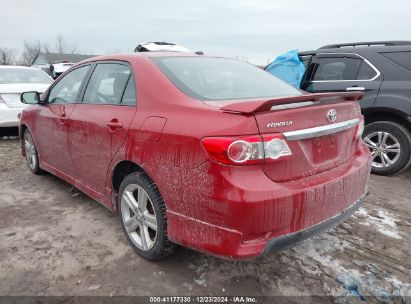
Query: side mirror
[{"x": 30, "y": 97}]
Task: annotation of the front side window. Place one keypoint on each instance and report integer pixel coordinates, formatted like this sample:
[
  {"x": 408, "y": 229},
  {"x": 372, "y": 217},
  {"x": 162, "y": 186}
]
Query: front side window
[
  {"x": 206, "y": 78},
  {"x": 107, "y": 84},
  {"x": 67, "y": 89}
]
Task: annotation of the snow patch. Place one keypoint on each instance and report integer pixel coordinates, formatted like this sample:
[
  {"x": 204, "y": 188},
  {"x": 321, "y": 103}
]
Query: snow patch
[
  {"x": 384, "y": 222},
  {"x": 322, "y": 249}
]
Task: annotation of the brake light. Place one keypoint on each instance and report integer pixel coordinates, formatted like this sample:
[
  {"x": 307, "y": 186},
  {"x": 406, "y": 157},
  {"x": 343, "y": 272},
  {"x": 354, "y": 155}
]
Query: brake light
[{"x": 246, "y": 150}]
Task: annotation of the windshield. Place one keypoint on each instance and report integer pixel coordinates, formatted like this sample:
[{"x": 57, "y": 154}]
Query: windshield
[
  {"x": 206, "y": 78},
  {"x": 16, "y": 75}
]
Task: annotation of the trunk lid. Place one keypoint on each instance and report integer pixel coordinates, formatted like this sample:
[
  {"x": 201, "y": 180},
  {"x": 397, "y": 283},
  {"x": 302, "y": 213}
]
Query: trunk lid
[
  {"x": 12, "y": 100},
  {"x": 320, "y": 130},
  {"x": 10, "y": 92}
]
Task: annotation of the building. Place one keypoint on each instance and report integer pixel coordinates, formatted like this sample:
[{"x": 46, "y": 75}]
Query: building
[
  {"x": 49, "y": 58},
  {"x": 54, "y": 63}
]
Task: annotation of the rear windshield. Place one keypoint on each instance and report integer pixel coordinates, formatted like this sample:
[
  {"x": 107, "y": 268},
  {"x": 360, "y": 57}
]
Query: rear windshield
[
  {"x": 207, "y": 78},
  {"x": 16, "y": 75}
]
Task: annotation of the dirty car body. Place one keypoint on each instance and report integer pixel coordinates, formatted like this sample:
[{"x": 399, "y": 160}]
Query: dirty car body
[{"x": 241, "y": 163}]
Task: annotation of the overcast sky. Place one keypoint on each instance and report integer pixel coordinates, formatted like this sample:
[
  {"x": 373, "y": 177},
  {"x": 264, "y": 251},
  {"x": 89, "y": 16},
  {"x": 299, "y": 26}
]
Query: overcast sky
[{"x": 254, "y": 29}]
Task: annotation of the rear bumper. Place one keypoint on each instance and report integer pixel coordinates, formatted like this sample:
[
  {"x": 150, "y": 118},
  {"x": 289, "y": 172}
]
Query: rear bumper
[
  {"x": 239, "y": 213},
  {"x": 8, "y": 116},
  {"x": 290, "y": 240}
]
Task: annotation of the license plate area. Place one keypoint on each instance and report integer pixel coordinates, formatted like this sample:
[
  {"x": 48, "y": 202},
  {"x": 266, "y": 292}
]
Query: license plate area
[{"x": 324, "y": 148}]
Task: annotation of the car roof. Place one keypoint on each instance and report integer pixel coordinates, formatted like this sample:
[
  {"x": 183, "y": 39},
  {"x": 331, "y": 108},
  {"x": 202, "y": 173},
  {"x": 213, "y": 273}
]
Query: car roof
[
  {"x": 365, "y": 49},
  {"x": 360, "y": 49},
  {"x": 128, "y": 56}
]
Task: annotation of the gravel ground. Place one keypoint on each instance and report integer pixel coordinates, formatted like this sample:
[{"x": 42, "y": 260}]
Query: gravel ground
[{"x": 56, "y": 241}]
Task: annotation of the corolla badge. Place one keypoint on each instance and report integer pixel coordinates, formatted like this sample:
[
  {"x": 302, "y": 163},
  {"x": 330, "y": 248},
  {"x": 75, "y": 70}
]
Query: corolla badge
[
  {"x": 332, "y": 115},
  {"x": 279, "y": 124}
]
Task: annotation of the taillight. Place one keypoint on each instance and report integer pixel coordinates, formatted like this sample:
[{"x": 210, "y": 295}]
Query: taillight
[
  {"x": 275, "y": 147},
  {"x": 241, "y": 151},
  {"x": 246, "y": 150}
]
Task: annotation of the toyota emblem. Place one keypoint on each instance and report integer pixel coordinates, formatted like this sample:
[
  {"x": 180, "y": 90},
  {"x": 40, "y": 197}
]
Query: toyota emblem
[{"x": 332, "y": 115}]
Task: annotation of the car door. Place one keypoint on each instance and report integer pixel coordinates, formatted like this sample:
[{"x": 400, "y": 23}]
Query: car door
[
  {"x": 101, "y": 122},
  {"x": 53, "y": 124},
  {"x": 343, "y": 72}
]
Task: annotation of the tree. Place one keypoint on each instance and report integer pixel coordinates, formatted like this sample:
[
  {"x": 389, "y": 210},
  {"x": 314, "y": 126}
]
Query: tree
[
  {"x": 74, "y": 48},
  {"x": 46, "y": 48},
  {"x": 32, "y": 48},
  {"x": 30, "y": 51},
  {"x": 63, "y": 47},
  {"x": 61, "y": 44},
  {"x": 6, "y": 56}
]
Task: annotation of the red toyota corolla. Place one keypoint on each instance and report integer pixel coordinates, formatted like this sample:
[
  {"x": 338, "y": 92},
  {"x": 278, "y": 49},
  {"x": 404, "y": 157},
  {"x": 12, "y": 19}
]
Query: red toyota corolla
[{"x": 207, "y": 152}]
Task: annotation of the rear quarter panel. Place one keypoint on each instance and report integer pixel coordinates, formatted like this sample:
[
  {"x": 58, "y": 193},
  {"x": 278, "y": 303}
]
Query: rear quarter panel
[{"x": 172, "y": 158}]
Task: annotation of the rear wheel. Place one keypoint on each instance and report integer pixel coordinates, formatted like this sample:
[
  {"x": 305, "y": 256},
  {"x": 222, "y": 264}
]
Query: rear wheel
[
  {"x": 390, "y": 146},
  {"x": 143, "y": 215},
  {"x": 32, "y": 155}
]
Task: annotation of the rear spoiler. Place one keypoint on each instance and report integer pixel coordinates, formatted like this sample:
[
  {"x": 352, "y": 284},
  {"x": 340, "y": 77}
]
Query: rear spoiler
[{"x": 249, "y": 107}]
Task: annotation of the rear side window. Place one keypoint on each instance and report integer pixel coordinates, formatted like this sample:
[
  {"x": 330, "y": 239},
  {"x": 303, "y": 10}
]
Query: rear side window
[
  {"x": 129, "y": 96},
  {"x": 206, "y": 78},
  {"x": 68, "y": 87},
  {"x": 365, "y": 72},
  {"x": 107, "y": 84},
  {"x": 340, "y": 68},
  {"x": 401, "y": 58}
]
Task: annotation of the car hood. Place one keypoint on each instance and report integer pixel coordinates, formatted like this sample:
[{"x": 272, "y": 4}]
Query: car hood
[{"x": 23, "y": 87}]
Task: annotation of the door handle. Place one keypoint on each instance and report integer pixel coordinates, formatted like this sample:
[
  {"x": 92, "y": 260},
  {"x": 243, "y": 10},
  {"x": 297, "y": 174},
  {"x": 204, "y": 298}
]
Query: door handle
[
  {"x": 353, "y": 89},
  {"x": 114, "y": 124}
]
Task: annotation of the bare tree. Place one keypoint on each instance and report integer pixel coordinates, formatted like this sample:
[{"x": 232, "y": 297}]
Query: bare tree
[
  {"x": 61, "y": 44},
  {"x": 6, "y": 56},
  {"x": 74, "y": 48},
  {"x": 46, "y": 48},
  {"x": 30, "y": 51},
  {"x": 32, "y": 48}
]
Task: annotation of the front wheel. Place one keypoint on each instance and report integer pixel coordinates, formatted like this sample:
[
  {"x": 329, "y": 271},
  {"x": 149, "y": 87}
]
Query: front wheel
[
  {"x": 390, "y": 146},
  {"x": 143, "y": 215}
]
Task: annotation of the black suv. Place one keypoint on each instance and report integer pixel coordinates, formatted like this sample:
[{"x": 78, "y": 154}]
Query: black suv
[{"x": 382, "y": 70}]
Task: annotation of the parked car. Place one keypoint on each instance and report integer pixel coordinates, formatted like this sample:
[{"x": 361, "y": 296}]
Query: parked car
[
  {"x": 59, "y": 67},
  {"x": 13, "y": 81},
  {"x": 210, "y": 153},
  {"x": 160, "y": 47},
  {"x": 382, "y": 70}
]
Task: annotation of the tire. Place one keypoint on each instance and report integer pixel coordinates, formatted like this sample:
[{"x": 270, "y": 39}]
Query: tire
[
  {"x": 137, "y": 217},
  {"x": 32, "y": 156},
  {"x": 390, "y": 146}
]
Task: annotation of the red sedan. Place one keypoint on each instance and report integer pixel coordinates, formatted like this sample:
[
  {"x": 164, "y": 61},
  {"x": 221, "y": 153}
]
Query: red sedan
[{"x": 207, "y": 152}]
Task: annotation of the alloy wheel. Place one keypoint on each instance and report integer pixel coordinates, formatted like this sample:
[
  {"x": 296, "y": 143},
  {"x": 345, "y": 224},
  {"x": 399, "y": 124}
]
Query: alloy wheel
[
  {"x": 385, "y": 148},
  {"x": 139, "y": 217},
  {"x": 30, "y": 150}
]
